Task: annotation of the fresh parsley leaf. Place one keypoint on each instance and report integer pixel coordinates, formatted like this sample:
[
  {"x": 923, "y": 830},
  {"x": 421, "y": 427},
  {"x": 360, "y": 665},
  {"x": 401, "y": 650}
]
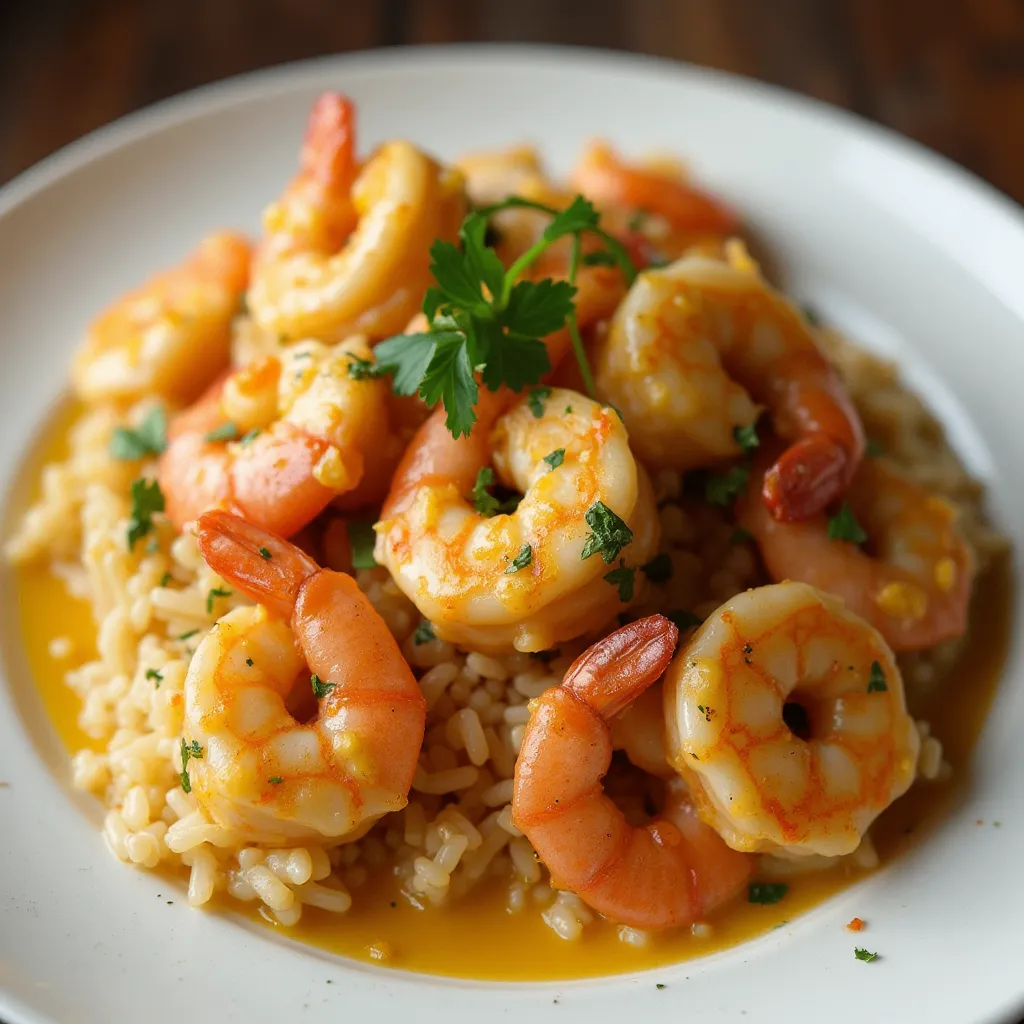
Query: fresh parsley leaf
[
  {"x": 844, "y": 526},
  {"x": 623, "y": 577},
  {"x": 275, "y": 780},
  {"x": 766, "y": 892},
  {"x": 609, "y": 534},
  {"x": 601, "y": 258},
  {"x": 514, "y": 362},
  {"x": 873, "y": 448},
  {"x": 724, "y": 488},
  {"x": 361, "y": 540},
  {"x": 213, "y": 595},
  {"x": 481, "y": 260},
  {"x": 458, "y": 277},
  {"x": 538, "y": 308},
  {"x": 147, "y": 500},
  {"x": 741, "y": 536},
  {"x": 249, "y": 436},
  {"x": 320, "y": 688},
  {"x": 449, "y": 379},
  {"x": 264, "y": 553},
  {"x": 876, "y": 679},
  {"x": 746, "y": 437},
  {"x": 165, "y": 579},
  {"x": 189, "y": 752},
  {"x": 364, "y": 369},
  {"x": 227, "y": 431},
  {"x": 521, "y": 561},
  {"x": 658, "y": 569},
  {"x": 483, "y": 501},
  {"x": 424, "y": 633},
  {"x": 578, "y": 216},
  {"x": 535, "y": 399},
  {"x": 683, "y": 619},
  {"x": 555, "y": 458},
  {"x": 148, "y": 438},
  {"x": 863, "y": 954},
  {"x": 406, "y": 357},
  {"x": 157, "y": 677}
]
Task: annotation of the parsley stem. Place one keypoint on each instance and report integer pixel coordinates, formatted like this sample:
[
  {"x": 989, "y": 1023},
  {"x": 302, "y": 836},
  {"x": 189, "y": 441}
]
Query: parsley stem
[
  {"x": 513, "y": 272},
  {"x": 574, "y": 327}
]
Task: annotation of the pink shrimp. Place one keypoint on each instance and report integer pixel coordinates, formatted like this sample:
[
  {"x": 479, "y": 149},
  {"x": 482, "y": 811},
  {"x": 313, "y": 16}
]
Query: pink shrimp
[{"x": 669, "y": 873}]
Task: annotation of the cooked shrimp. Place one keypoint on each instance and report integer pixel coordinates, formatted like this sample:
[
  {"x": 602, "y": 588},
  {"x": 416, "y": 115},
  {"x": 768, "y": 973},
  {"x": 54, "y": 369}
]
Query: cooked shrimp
[
  {"x": 669, "y": 873},
  {"x": 277, "y": 440},
  {"x": 913, "y": 582},
  {"x": 692, "y": 350},
  {"x": 256, "y": 769},
  {"x": 640, "y": 732},
  {"x": 169, "y": 337},
  {"x": 345, "y": 249},
  {"x": 786, "y": 716},
  {"x": 517, "y": 580}
]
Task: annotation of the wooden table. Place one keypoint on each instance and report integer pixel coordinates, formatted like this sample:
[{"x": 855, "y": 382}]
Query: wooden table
[{"x": 949, "y": 73}]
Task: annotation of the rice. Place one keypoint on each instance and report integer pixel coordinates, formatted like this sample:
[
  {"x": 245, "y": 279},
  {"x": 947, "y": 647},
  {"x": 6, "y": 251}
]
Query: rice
[{"x": 152, "y": 608}]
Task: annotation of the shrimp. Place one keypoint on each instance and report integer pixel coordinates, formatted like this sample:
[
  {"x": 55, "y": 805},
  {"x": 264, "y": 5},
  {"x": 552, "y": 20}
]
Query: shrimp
[
  {"x": 785, "y": 714},
  {"x": 519, "y": 580},
  {"x": 170, "y": 337},
  {"x": 640, "y": 732},
  {"x": 257, "y": 770},
  {"x": 277, "y": 440},
  {"x": 914, "y": 581},
  {"x": 691, "y": 350},
  {"x": 346, "y": 249},
  {"x": 669, "y": 873}
]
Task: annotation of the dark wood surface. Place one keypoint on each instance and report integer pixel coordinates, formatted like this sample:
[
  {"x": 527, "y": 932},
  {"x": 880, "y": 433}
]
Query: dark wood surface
[{"x": 949, "y": 73}]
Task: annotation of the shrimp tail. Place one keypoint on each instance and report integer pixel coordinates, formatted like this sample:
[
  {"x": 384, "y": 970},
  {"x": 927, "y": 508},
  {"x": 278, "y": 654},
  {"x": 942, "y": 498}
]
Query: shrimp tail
[
  {"x": 259, "y": 563},
  {"x": 616, "y": 670},
  {"x": 328, "y": 149},
  {"x": 806, "y": 478}
]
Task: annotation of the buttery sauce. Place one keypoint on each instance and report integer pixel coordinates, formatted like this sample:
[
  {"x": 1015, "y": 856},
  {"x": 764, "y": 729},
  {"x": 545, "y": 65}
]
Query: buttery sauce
[{"x": 478, "y": 937}]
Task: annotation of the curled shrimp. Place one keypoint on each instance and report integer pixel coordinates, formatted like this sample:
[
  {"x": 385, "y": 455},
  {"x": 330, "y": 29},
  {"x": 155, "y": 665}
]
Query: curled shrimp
[
  {"x": 516, "y": 580},
  {"x": 669, "y": 873},
  {"x": 258, "y": 770},
  {"x": 171, "y": 336},
  {"x": 785, "y": 714},
  {"x": 691, "y": 351},
  {"x": 346, "y": 249},
  {"x": 912, "y": 582},
  {"x": 279, "y": 439}
]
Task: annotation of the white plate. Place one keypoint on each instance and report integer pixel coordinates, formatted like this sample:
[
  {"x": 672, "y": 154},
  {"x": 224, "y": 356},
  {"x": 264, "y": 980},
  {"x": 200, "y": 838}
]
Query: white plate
[{"x": 903, "y": 249}]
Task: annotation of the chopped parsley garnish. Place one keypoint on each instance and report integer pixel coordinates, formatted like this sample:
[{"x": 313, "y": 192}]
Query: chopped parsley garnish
[
  {"x": 844, "y": 526},
  {"x": 658, "y": 569},
  {"x": 601, "y": 258},
  {"x": 483, "y": 318},
  {"x": 148, "y": 438},
  {"x": 683, "y": 619},
  {"x": 811, "y": 316},
  {"x": 659, "y": 985},
  {"x": 424, "y": 633},
  {"x": 275, "y": 780},
  {"x": 873, "y": 449},
  {"x": 609, "y": 534},
  {"x": 555, "y": 458},
  {"x": 147, "y": 500},
  {"x": 862, "y": 954},
  {"x": 225, "y": 432},
  {"x": 636, "y": 220},
  {"x": 766, "y": 892},
  {"x": 707, "y": 712},
  {"x": 165, "y": 579},
  {"x": 521, "y": 561},
  {"x": 189, "y": 752},
  {"x": 249, "y": 662},
  {"x": 249, "y": 436},
  {"x": 876, "y": 679},
  {"x": 361, "y": 539},
  {"x": 364, "y": 369},
  {"x": 746, "y": 437},
  {"x": 188, "y": 634},
  {"x": 320, "y": 688},
  {"x": 535, "y": 399},
  {"x": 741, "y": 536},
  {"x": 624, "y": 577},
  {"x": 264, "y": 553},
  {"x": 724, "y": 488},
  {"x": 568, "y": 410},
  {"x": 483, "y": 501},
  {"x": 213, "y": 595},
  {"x": 157, "y": 677}
]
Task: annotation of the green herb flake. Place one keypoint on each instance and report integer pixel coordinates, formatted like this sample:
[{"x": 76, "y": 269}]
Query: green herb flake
[
  {"x": 766, "y": 892},
  {"x": 227, "y": 431},
  {"x": 364, "y": 369},
  {"x": 601, "y": 258},
  {"x": 624, "y": 577},
  {"x": 521, "y": 561},
  {"x": 724, "y": 488},
  {"x": 157, "y": 677},
  {"x": 361, "y": 539},
  {"x": 844, "y": 526},
  {"x": 741, "y": 536},
  {"x": 609, "y": 534},
  {"x": 188, "y": 634},
  {"x": 189, "y": 752},
  {"x": 535, "y": 399},
  {"x": 876, "y": 679},
  {"x": 483, "y": 501},
  {"x": 660, "y": 985},
  {"x": 568, "y": 410},
  {"x": 636, "y": 220},
  {"x": 658, "y": 569},
  {"x": 148, "y": 438},
  {"x": 249, "y": 662},
  {"x": 320, "y": 688},
  {"x": 424, "y": 633},
  {"x": 147, "y": 500},
  {"x": 264, "y": 553},
  {"x": 275, "y": 780},
  {"x": 556, "y": 458},
  {"x": 165, "y": 579},
  {"x": 684, "y": 620},
  {"x": 249, "y": 436},
  {"x": 862, "y": 954},
  {"x": 873, "y": 448},
  {"x": 212, "y": 596},
  {"x": 746, "y": 437}
]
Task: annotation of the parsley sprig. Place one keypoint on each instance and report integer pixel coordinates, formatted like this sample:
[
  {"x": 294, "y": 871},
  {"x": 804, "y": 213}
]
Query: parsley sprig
[{"x": 484, "y": 320}]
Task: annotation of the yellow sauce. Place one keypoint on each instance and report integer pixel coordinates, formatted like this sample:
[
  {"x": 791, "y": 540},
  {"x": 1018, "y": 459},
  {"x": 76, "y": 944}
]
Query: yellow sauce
[{"x": 478, "y": 937}]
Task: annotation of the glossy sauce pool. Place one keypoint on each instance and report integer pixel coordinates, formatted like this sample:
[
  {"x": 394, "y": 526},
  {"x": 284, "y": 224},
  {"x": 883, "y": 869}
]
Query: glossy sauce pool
[{"x": 478, "y": 937}]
